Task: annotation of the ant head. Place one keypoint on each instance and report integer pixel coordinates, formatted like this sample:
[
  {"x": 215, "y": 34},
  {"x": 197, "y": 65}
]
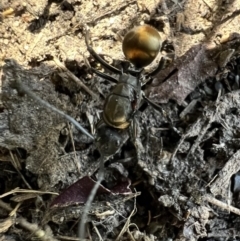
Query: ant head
[{"x": 141, "y": 45}]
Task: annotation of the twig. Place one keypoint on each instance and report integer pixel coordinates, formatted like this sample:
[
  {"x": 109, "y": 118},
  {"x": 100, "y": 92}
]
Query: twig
[
  {"x": 220, "y": 204},
  {"x": 5, "y": 206},
  {"x": 131, "y": 236},
  {"x": 127, "y": 224},
  {"x": 149, "y": 217},
  {"x": 96, "y": 230},
  {"x": 74, "y": 150},
  {"x": 45, "y": 235},
  {"x": 18, "y": 190},
  {"x": 14, "y": 211},
  {"x": 16, "y": 165}
]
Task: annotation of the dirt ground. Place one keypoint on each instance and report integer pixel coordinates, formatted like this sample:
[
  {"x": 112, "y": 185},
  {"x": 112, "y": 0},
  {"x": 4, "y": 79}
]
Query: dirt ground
[{"x": 177, "y": 179}]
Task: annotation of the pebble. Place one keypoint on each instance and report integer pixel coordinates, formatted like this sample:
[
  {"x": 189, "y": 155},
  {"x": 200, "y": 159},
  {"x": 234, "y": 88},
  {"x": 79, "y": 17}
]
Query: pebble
[{"x": 6, "y": 41}]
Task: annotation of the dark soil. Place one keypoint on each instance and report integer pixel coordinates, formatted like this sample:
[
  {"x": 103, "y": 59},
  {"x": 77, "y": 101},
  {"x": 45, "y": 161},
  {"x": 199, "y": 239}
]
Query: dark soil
[{"x": 177, "y": 178}]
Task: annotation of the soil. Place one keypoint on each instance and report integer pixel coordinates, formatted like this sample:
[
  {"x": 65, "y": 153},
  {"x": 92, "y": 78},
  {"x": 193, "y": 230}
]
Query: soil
[{"x": 176, "y": 177}]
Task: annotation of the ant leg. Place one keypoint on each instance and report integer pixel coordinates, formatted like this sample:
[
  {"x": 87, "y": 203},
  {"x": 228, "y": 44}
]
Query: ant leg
[
  {"x": 104, "y": 76},
  {"x": 153, "y": 104},
  {"x": 98, "y": 58},
  {"x": 156, "y": 107},
  {"x": 148, "y": 77},
  {"x": 161, "y": 65}
]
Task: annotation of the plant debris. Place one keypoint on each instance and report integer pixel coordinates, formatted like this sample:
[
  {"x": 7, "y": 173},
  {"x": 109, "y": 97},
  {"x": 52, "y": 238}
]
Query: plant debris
[{"x": 177, "y": 180}]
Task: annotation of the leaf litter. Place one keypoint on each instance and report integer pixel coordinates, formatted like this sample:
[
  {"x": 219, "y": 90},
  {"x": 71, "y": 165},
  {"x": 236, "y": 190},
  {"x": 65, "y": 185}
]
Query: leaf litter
[{"x": 184, "y": 172}]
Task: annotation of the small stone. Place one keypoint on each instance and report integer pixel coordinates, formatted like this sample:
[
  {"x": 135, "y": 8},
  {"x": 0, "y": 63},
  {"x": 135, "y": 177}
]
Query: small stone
[
  {"x": 16, "y": 24},
  {"x": 5, "y": 41}
]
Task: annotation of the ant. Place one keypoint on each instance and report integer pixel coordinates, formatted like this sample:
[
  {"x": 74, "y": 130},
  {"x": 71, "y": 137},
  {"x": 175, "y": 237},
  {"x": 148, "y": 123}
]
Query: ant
[{"x": 140, "y": 46}]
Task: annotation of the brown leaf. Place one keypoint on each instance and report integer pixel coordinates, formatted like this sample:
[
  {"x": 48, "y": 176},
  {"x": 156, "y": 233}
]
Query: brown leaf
[
  {"x": 79, "y": 192},
  {"x": 188, "y": 71}
]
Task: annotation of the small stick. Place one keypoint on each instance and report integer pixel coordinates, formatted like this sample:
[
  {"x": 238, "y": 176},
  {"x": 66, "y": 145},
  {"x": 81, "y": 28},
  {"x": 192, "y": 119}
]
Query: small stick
[
  {"x": 5, "y": 206},
  {"x": 18, "y": 190},
  {"x": 15, "y": 164},
  {"x": 220, "y": 204},
  {"x": 74, "y": 150},
  {"x": 35, "y": 229},
  {"x": 127, "y": 223},
  {"x": 96, "y": 230}
]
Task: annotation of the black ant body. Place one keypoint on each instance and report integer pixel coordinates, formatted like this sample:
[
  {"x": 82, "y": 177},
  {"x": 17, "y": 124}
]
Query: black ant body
[{"x": 141, "y": 45}]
